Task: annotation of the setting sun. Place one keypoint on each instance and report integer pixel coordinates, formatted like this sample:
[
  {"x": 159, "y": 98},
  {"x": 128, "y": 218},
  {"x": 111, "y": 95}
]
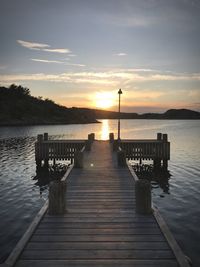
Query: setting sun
[{"x": 104, "y": 100}]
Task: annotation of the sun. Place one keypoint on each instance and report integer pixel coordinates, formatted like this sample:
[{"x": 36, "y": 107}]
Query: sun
[{"x": 104, "y": 100}]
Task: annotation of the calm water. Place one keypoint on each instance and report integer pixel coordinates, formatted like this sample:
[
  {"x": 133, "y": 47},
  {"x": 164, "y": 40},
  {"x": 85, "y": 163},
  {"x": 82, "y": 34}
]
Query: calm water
[{"x": 20, "y": 198}]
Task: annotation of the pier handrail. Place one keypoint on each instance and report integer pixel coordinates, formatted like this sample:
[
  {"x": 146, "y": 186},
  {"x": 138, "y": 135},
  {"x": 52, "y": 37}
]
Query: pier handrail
[
  {"x": 147, "y": 149},
  {"x": 52, "y": 149}
]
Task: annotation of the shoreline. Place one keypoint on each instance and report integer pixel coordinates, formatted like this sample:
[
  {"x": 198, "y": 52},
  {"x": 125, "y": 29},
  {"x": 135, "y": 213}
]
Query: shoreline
[
  {"x": 92, "y": 122},
  {"x": 44, "y": 124}
]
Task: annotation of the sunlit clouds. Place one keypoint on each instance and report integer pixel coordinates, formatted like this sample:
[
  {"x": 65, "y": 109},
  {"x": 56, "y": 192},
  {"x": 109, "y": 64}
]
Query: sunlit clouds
[
  {"x": 57, "y": 62},
  {"x": 114, "y": 77},
  {"x": 32, "y": 45},
  {"x": 121, "y": 54},
  {"x": 47, "y": 61},
  {"x": 42, "y": 47}
]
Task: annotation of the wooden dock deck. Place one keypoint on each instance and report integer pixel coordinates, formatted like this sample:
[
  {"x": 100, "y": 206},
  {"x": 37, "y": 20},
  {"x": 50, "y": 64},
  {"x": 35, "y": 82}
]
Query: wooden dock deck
[{"x": 100, "y": 227}]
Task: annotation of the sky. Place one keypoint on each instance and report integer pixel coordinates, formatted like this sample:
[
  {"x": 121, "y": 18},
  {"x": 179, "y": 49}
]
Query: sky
[{"x": 80, "y": 52}]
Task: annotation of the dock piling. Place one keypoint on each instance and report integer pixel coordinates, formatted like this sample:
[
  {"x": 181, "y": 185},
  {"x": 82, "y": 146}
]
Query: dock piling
[
  {"x": 121, "y": 158},
  {"x": 143, "y": 196},
  {"x": 57, "y": 191},
  {"x": 46, "y": 160},
  {"x": 78, "y": 159},
  {"x": 165, "y": 161},
  {"x": 115, "y": 145}
]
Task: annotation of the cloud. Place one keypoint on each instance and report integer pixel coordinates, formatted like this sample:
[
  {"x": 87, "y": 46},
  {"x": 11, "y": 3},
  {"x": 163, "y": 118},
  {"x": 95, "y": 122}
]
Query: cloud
[
  {"x": 57, "y": 62},
  {"x": 115, "y": 78},
  {"x": 47, "y": 61},
  {"x": 121, "y": 54},
  {"x": 31, "y": 45},
  {"x": 72, "y": 55},
  {"x": 76, "y": 65},
  {"x": 57, "y": 50},
  {"x": 43, "y": 47}
]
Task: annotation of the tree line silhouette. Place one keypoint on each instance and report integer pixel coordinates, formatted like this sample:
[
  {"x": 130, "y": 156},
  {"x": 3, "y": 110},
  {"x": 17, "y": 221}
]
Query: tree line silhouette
[{"x": 18, "y": 107}]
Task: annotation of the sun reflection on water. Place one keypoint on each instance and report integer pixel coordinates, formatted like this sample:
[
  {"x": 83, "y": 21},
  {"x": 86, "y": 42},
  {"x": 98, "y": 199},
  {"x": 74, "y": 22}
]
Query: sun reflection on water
[{"x": 105, "y": 130}]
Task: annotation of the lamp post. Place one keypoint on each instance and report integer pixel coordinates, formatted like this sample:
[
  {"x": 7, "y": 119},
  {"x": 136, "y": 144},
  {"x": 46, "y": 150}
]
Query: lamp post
[{"x": 119, "y": 93}]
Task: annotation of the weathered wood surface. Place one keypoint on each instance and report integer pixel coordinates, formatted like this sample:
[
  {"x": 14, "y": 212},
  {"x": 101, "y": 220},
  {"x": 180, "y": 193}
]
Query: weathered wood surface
[{"x": 100, "y": 226}]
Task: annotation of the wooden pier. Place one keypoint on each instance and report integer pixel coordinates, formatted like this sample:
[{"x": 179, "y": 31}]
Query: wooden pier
[{"x": 100, "y": 226}]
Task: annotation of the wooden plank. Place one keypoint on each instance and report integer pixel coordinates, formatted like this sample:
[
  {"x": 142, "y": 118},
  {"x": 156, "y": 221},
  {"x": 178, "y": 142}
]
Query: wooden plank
[
  {"x": 98, "y": 231},
  {"x": 97, "y": 254},
  {"x": 98, "y": 263},
  {"x": 97, "y": 238},
  {"x": 97, "y": 225},
  {"x": 97, "y": 245}
]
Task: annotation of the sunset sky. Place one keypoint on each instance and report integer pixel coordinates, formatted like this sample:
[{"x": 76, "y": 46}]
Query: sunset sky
[{"x": 80, "y": 52}]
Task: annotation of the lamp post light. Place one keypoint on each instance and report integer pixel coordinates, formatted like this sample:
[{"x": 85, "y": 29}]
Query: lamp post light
[{"x": 119, "y": 93}]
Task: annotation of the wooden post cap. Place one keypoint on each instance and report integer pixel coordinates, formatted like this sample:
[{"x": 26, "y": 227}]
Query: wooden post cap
[
  {"x": 159, "y": 136},
  {"x": 45, "y": 136},
  {"x": 164, "y": 137},
  {"x": 40, "y": 137},
  {"x": 143, "y": 196},
  {"x": 92, "y": 136}
]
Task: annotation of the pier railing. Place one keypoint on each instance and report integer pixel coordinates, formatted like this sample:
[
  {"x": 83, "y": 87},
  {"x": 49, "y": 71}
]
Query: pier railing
[
  {"x": 57, "y": 149},
  {"x": 150, "y": 149},
  {"x": 146, "y": 149},
  {"x": 46, "y": 149}
]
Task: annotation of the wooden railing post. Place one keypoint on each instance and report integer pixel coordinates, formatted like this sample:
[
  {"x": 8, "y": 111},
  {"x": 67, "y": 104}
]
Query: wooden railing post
[
  {"x": 40, "y": 138},
  {"x": 165, "y": 160},
  {"x": 46, "y": 149},
  {"x": 78, "y": 159},
  {"x": 111, "y": 137},
  {"x": 165, "y": 137},
  {"x": 115, "y": 145},
  {"x": 121, "y": 158},
  {"x": 46, "y": 136},
  {"x": 88, "y": 145},
  {"x": 143, "y": 196},
  {"x": 159, "y": 136},
  {"x": 57, "y": 202},
  {"x": 38, "y": 151},
  {"x": 92, "y": 136},
  {"x": 157, "y": 161}
]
